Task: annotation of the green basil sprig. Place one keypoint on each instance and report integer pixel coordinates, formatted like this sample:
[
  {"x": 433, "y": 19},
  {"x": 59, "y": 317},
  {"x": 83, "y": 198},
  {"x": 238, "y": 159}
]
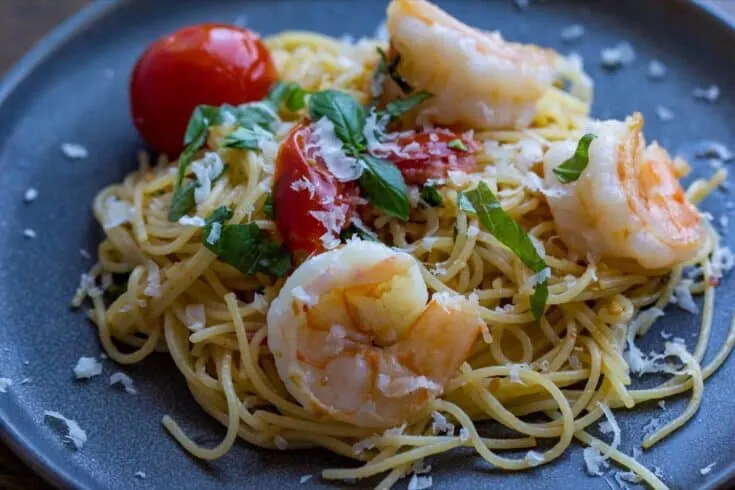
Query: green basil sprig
[
  {"x": 572, "y": 168},
  {"x": 482, "y": 202}
]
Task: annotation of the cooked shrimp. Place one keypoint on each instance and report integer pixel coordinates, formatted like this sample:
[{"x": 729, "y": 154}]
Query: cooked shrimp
[
  {"x": 477, "y": 78},
  {"x": 354, "y": 338},
  {"x": 628, "y": 202}
]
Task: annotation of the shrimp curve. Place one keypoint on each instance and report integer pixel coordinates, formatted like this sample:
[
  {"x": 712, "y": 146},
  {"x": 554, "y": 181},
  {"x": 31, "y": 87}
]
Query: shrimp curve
[
  {"x": 355, "y": 340},
  {"x": 478, "y": 79},
  {"x": 628, "y": 202}
]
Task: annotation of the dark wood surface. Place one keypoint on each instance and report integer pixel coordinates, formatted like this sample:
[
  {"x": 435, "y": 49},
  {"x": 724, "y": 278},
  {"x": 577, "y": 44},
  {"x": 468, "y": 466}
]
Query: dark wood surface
[{"x": 22, "y": 23}]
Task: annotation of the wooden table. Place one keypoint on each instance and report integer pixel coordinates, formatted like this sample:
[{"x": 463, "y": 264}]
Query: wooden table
[{"x": 22, "y": 23}]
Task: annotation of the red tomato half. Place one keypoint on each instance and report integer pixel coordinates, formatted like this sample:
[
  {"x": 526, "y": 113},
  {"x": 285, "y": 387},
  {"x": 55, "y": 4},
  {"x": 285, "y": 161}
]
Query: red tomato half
[
  {"x": 428, "y": 155},
  {"x": 203, "y": 64},
  {"x": 311, "y": 206}
]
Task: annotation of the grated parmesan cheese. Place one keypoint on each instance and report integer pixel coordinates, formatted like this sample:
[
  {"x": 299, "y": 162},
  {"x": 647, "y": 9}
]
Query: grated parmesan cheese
[
  {"x": 259, "y": 303},
  {"x": 192, "y": 221},
  {"x": 664, "y": 113},
  {"x": 304, "y": 479},
  {"x": 304, "y": 184},
  {"x": 115, "y": 213},
  {"x": 723, "y": 261},
  {"x": 28, "y": 233},
  {"x": 30, "y": 195},
  {"x": 280, "y": 443},
  {"x": 141, "y": 475},
  {"x": 87, "y": 367},
  {"x": 617, "y": 56},
  {"x": 464, "y": 435},
  {"x": 194, "y": 317},
  {"x": 207, "y": 169},
  {"x": 153, "y": 283},
  {"x": 610, "y": 426},
  {"x": 710, "y": 94},
  {"x": 124, "y": 380},
  {"x": 440, "y": 425},
  {"x": 572, "y": 32},
  {"x": 420, "y": 482},
  {"x": 323, "y": 137},
  {"x": 682, "y": 296},
  {"x": 515, "y": 373},
  {"x": 639, "y": 362},
  {"x": 74, "y": 434},
  {"x": 214, "y": 233},
  {"x": 74, "y": 151},
  {"x": 656, "y": 70},
  {"x": 534, "y": 458},
  {"x": 594, "y": 461},
  {"x": 707, "y": 469},
  {"x": 5, "y": 383},
  {"x": 626, "y": 476}
]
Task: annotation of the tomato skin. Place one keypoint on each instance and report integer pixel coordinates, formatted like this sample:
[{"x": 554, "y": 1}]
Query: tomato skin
[
  {"x": 303, "y": 186},
  {"x": 431, "y": 157},
  {"x": 202, "y": 64}
]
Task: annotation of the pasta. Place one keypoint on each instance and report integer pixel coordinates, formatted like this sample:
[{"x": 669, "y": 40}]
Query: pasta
[{"x": 568, "y": 369}]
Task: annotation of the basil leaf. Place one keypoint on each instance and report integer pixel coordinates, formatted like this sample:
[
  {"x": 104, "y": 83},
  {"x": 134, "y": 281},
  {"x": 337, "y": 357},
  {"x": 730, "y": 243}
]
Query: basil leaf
[
  {"x": 182, "y": 201},
  {"x": 248, "y": 249},
  {"x": 431, "y": 196},
  {"x": 345, "y": 113},
  {"x": 219, "y": 215},
  {"x": 391, "y": 68},
  {"x": 246, "y": 138},
  {"x": 358, "y": 228},
  {"x": 572, "y": 168},
  {"x": 397, "y": 108},
  {"x": 384, "y": 186},
  {"x": 288, "y": 93},
  {"x": 268, "y": 206},
  {"x": 538, "y": 299},
  {"x": 482, "y": 202},
  {"x": 261, "y": 114},
  {"x": 200, "y": 120},
  {"x": 457, "y": 144}
]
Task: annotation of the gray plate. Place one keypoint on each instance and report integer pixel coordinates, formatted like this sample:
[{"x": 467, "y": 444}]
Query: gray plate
[{"x": 62, "y": 92}]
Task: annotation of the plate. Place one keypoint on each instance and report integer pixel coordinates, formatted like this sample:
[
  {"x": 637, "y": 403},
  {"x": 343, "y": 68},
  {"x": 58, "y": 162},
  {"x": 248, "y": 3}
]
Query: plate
[{"x": 73, "y": 88}]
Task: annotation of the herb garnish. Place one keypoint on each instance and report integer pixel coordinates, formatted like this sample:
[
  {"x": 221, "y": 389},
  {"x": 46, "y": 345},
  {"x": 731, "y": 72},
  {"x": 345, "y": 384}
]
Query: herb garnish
[
  {"x": 431, "y": 196},
  {"x": 255, "y": 121},
  {"x": 245, "y": 246},
  {"x": 572, "y": 168},
  {"x": 482, "y": 202}
]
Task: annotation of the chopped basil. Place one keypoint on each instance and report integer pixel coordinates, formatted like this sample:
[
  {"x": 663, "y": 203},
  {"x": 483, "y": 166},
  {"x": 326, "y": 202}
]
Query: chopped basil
[
  {"x": 246, "y": 247},
  {"x": 182, "y": 201},
  {"x": 290, "y": 94},
  {"x": 397, "y": 108},
  {"x": 255, "y": 120},
  {"x": 219, "y": 215},
  {"x": 345, "y": 113},
  {"x": 572, "y": 168},
  {"x": 358, "y": 228},
  {"x": 246, "y": 138},
  {"x": 482, "y": 202},
  {"x": 390, "y": 67},
  {"x": 384, "y": 186},
  {"x": 457, "y": 144},
  {"x": 268, "y": 206},
  {"x": 431, "y": 196}
]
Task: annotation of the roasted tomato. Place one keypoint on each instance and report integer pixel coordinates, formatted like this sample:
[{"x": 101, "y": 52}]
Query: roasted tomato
[
  {"x": 432, "y": 154},
  {"x": 311, "y": 206},
  {"x": 203, "y": 64}
]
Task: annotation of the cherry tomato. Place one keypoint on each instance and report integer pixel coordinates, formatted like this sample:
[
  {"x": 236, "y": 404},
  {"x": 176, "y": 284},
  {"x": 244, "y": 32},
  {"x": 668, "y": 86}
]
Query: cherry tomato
[
  {"x": 311, "y": 206},
  {"x": 203, "y": 64},
  {"x": 432, "y": 154}
]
